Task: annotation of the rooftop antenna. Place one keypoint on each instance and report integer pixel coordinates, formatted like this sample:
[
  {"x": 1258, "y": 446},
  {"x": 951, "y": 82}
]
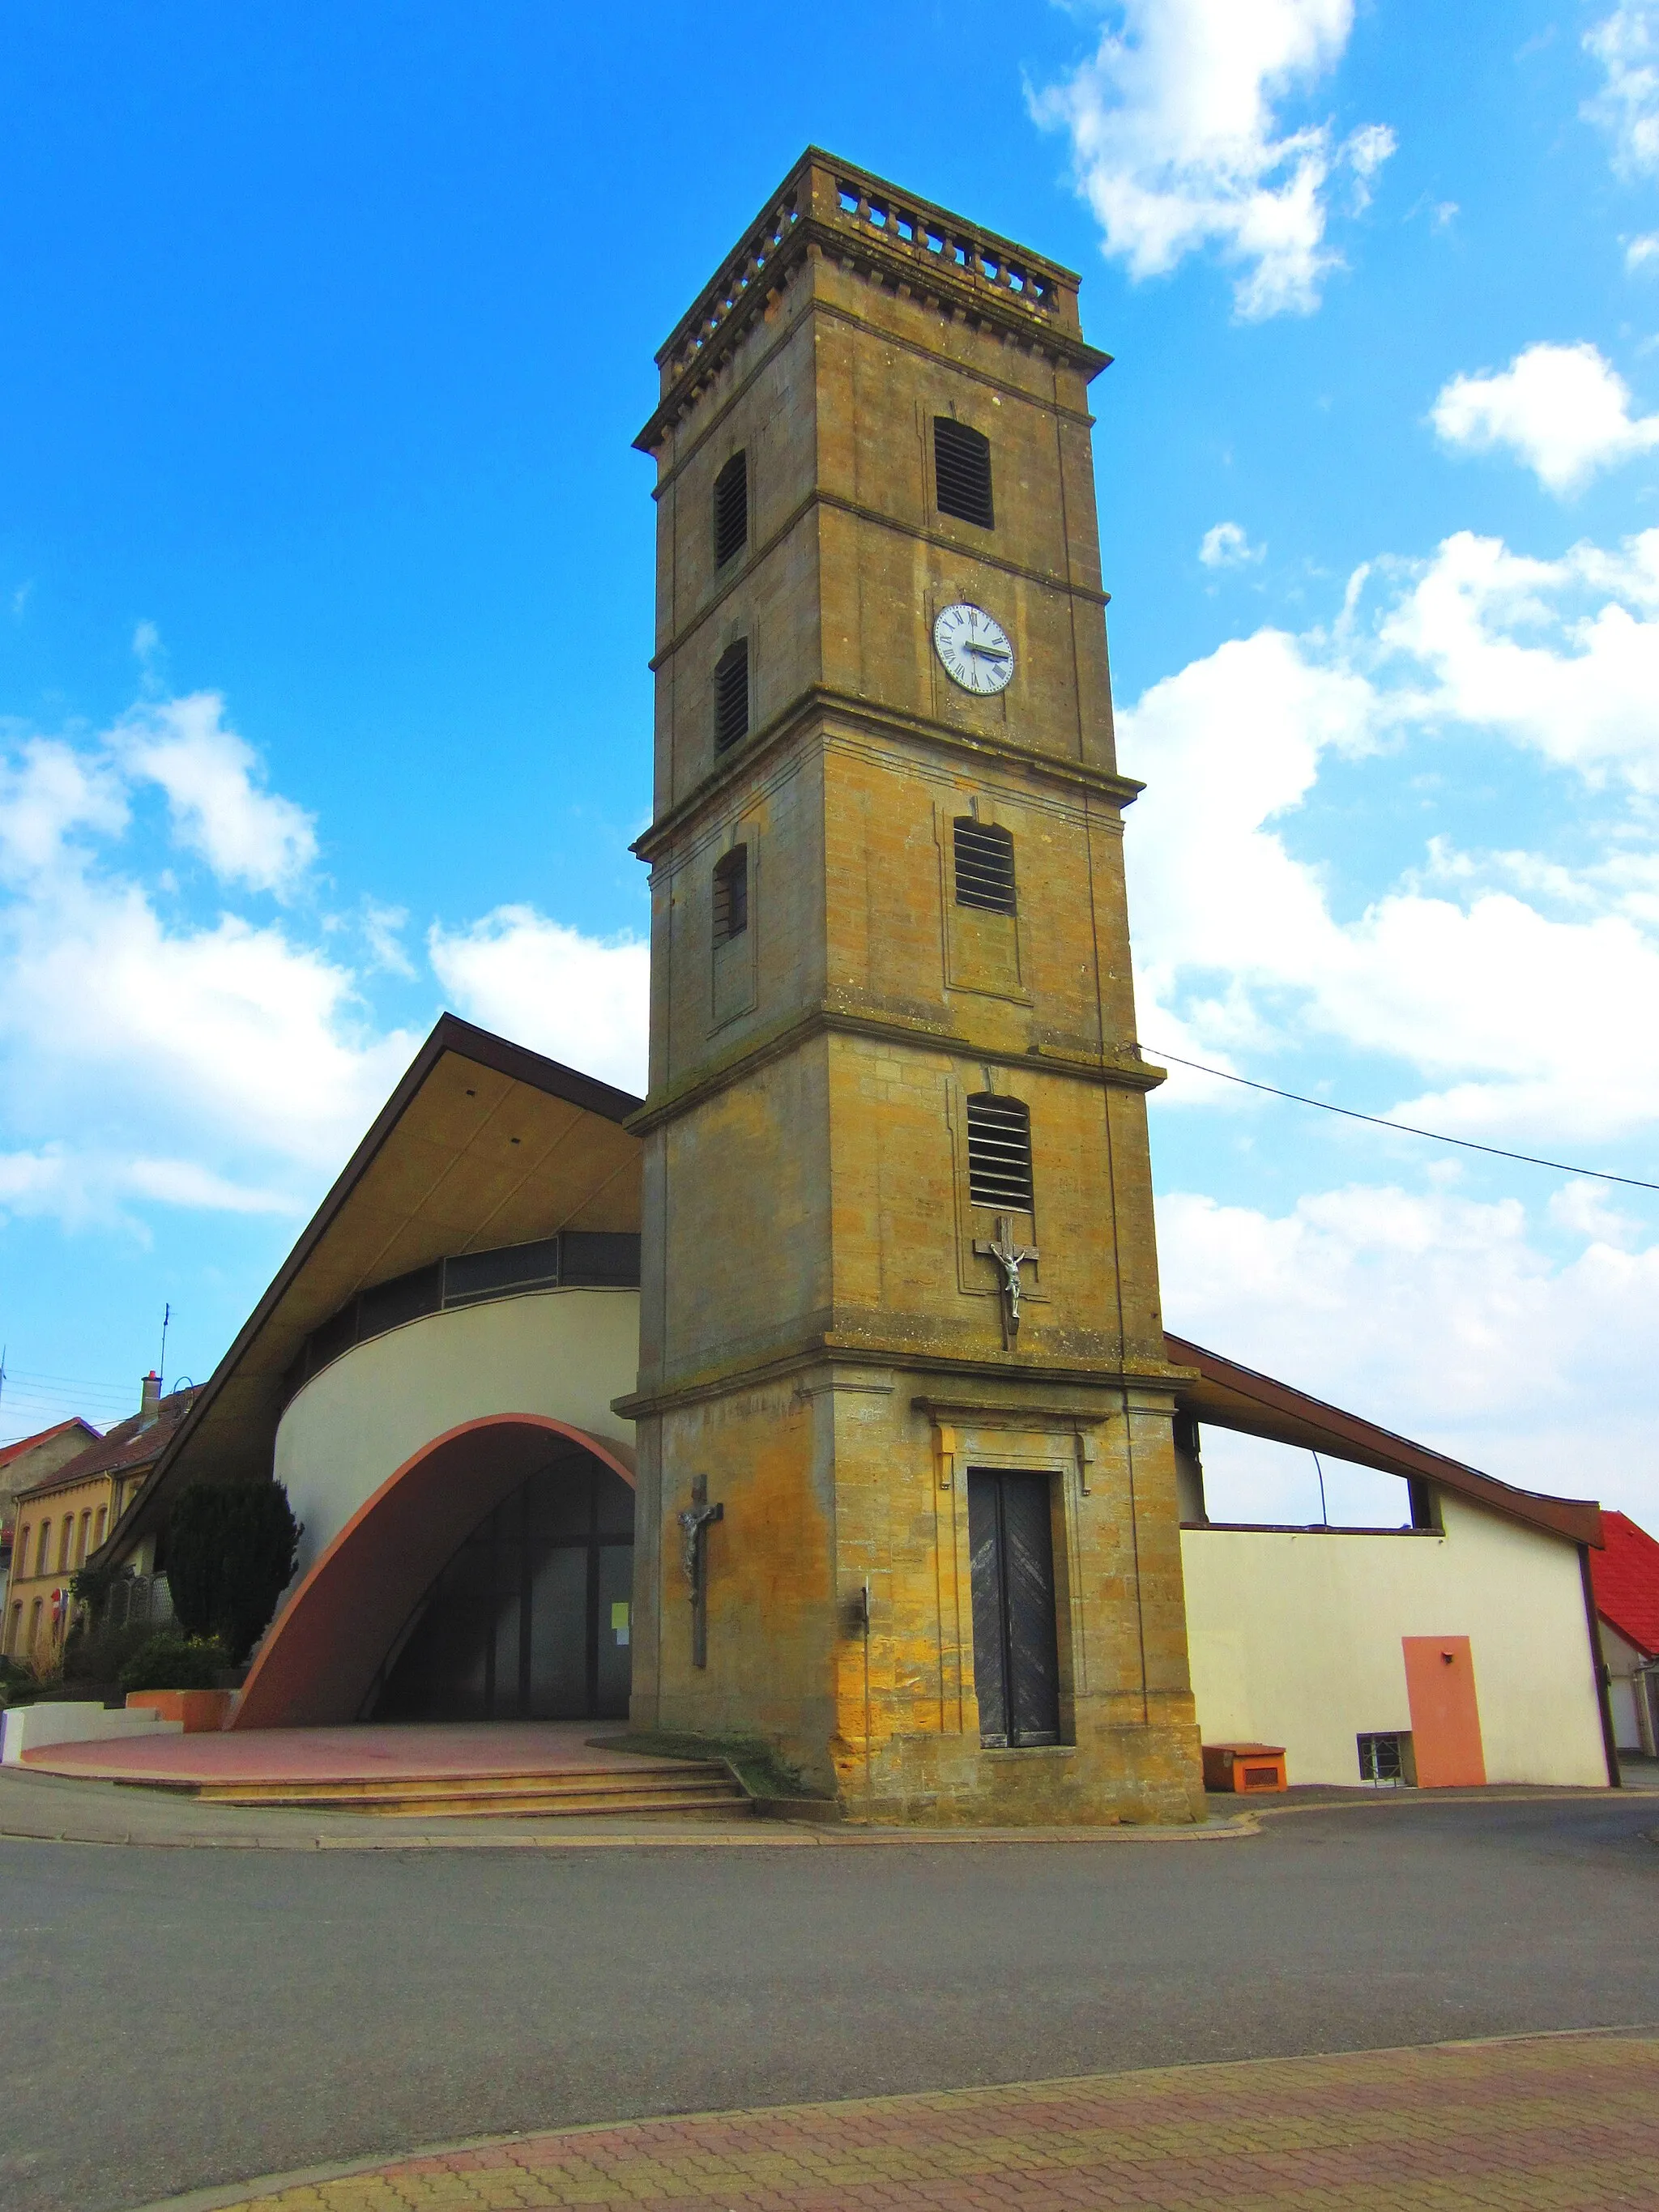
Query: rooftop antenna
[
  {"x": 160, "y": 1371},
  {"x": 1324, "y": 1518}
]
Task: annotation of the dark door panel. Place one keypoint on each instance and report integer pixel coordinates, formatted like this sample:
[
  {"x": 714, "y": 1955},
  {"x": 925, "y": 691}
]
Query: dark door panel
[{"x": 1016, "y": 1655}]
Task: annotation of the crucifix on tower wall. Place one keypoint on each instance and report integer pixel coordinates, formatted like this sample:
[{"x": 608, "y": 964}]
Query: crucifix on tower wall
[
  {"x": 1010, "y": 1258},
  {"x": 694, "y": 1524}
]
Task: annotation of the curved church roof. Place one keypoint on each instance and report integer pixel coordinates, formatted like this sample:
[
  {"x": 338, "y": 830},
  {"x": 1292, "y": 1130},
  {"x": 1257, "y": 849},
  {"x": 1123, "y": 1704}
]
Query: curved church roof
[{"x": 483, "y": 1144}]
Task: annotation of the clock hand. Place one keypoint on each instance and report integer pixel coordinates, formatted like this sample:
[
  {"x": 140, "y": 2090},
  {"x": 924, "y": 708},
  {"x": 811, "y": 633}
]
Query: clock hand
[{"x": 988, "y": 652}]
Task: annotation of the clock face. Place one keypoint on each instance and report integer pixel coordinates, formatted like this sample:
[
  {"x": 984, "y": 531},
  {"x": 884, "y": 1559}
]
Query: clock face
[{"x": 974, "y": 648}]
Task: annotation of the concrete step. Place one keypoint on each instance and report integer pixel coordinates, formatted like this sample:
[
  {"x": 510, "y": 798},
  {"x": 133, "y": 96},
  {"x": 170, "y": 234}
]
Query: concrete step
[{"x": 572, "y": 1793}]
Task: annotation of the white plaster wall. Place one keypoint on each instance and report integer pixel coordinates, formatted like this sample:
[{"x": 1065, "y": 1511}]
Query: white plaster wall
[
  {"x": 1295, "y": 1639},
  {"x": 564, "y": 1354}
]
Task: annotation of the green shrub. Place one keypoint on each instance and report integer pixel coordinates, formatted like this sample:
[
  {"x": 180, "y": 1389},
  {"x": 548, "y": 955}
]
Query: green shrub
[
  {"x": 168, "y": 1661},
  {"x": 230, "y": 1553},
  {"x": 94, "y": 1652}
]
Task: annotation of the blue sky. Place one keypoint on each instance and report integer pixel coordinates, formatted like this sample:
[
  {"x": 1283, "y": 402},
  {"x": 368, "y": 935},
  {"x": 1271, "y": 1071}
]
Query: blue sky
[{"x": 325, "y": 601}]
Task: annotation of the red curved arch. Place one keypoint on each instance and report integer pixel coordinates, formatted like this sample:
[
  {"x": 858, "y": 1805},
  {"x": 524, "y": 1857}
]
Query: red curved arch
[{"x": 317, "y": 1661}]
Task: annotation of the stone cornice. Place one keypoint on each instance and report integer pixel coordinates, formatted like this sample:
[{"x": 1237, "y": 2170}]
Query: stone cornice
[
  {"x": 1119, "y": 1069},
  {"x": 833, "y": 312},
  {"x": 827, "y": 1348},
  {"x": 902, "y": 242},
  {"x": 869, "y": 719},
  {"x": 937, "y": 539}
]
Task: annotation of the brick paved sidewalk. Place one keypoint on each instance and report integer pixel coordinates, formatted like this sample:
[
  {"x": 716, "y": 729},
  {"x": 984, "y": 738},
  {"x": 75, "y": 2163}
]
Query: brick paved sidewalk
[{"x": 1551, "y": 2124}]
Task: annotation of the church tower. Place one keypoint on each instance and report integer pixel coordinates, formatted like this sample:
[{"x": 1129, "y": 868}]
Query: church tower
[{"x": 907, "y": 1503}]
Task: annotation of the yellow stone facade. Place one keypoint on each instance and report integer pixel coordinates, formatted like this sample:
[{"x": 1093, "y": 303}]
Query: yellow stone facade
[
  {"x": 60, "y": 1525},
  {"x": 820, "y": 1338}
]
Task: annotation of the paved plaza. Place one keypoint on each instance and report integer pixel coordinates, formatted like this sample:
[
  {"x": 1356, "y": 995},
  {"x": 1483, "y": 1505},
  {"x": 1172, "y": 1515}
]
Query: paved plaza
[{"x": 1529, "y": 2126}]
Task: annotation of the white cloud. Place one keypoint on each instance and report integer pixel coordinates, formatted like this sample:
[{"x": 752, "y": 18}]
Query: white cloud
[
  {"x": 1483, "y": 973},
  {"x": 48, "y": 791},
  {"x": 1177, "y": 142},
  {"x": 1227, "y": 545},
  {"x": 146, "y": 1056},
  {"x": 1640, "y": 251},
  {"x": 577, "y": 998},
  {"x": 1561, "y": 657},
  {"x": 210, "y": 776},
  {"x": 81, "y": 1189},
  {"x": 1442, "y": 1318},
  {"x": 1626, "y": 43},
  {"x": 1564, "y": 410}
]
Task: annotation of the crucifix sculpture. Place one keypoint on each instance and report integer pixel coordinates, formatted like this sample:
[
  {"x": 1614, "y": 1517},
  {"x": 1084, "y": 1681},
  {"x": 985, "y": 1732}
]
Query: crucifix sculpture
[
  {"x": 1010, "y": 1258},
  {"x": 694, "y": 1524}
]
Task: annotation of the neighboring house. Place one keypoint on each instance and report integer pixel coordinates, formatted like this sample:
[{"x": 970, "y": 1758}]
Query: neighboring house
[
  {"x": 64, "y": 1515},
  {"x": 1627, "y": 1577},
  {"x": 29, "y": 1461}
]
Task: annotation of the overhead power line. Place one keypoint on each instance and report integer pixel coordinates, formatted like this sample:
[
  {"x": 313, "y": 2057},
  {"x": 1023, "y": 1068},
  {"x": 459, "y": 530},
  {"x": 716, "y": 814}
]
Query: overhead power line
[{"x": 1405, "y": 1128}]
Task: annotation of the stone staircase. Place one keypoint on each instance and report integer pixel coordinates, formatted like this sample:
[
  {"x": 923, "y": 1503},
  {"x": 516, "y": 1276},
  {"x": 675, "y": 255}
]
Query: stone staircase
[{"x": 646, "y": 1789}]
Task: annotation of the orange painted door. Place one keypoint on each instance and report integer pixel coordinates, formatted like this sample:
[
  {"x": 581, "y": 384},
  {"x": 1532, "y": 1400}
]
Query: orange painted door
[{"x": 1445, "y": 1715}]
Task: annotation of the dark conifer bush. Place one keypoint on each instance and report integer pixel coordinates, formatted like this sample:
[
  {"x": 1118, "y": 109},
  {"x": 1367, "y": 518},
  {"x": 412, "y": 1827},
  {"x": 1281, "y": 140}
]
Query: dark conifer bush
[{"x": 230, "y": 1553}]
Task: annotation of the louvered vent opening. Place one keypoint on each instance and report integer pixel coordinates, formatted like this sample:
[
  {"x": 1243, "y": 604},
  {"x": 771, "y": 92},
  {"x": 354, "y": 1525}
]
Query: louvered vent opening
[
  {"x": 731, "y": 894},
  {"x": 732, "y": 695},
  {"x": 999, "y": 1153},
  {"x": 985, "y": 865},
  {"x": 731, "y": 509},
  {"x": 962, "y": 472}
]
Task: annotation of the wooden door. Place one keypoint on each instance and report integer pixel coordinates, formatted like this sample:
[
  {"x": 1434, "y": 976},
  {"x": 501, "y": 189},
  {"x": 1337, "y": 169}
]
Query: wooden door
[{"x": 1016, "y": 1656}]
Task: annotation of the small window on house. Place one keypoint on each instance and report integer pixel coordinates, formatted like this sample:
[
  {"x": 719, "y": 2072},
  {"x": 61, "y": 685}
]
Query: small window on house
[
  {"x": 43, "y": 1550},
  {"x": 732, "y": 695},
  {"x": 731, "y": 894},
  {"x": 731, "y": 509},
  {"x": 999, "y": 1153},
  {"x": 962, "y": 472},
  {"x": 63, "y": 1543},
  {"x": 85, "y": 1537},
  {"x": 98, "y": 1530},
  {"x": 985, "y": 865},
  {"x": 15, "y": 1631}
]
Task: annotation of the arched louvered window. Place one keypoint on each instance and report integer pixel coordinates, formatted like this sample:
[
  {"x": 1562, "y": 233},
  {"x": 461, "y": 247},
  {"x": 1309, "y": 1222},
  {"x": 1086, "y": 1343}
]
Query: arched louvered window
[
  {"x": 43, "y": 1550},
  {"x": 731, "y": 509},
  {"x": 731, "y": 695},
  {"x": 984, "y": 865},
  {"x": 962, "y": 472},
  {"x": 731, "y": 894},
  {"x": 999, "y": 1153}
]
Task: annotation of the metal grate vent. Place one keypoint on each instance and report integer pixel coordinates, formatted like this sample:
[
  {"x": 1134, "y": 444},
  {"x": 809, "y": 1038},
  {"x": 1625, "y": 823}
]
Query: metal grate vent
[
  {"x": 1381, "y": 1758},
  {"x": 962, "y": 472},
  {"x": 985, "y": 865},
  {"x": 731, "y": 894},
  {"x": 731, "y": 509},
  {"x": 732, "y": 695},
  {"x": 999, "y": 1153}
]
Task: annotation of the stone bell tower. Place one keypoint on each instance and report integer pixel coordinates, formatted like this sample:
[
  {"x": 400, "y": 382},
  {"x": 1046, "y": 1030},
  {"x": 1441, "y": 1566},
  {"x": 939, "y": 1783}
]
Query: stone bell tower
[{"x": 907, "y": 1503}]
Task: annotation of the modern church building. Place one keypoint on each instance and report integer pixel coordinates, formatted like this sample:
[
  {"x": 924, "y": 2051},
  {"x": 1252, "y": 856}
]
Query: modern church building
[{"x": 823, "y": 1395}]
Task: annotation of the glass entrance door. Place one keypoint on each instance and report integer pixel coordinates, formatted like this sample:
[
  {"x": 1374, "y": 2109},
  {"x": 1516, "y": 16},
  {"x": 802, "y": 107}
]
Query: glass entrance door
[
  {"x": 1015, "y": 1654},
  {"x": 531, "y": 1618}
]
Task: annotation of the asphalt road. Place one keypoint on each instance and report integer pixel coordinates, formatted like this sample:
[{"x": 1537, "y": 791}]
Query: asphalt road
[{"x": 178, "y": 2019}]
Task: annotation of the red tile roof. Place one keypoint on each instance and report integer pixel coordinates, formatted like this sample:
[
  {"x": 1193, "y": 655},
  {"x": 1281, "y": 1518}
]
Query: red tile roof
[
  {"x": 132, "y": 1443},
  {"x": 9, "y": 1452},
  {"x": 1626, "y": 1578}
]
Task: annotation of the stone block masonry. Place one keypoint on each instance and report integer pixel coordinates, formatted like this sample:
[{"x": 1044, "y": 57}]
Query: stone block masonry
[{"x": 826, "y": 1339}]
